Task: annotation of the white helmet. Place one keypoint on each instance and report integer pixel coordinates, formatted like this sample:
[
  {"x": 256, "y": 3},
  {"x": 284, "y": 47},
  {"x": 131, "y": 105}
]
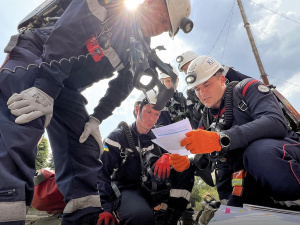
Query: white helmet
[
  {"x": 201, "y": 69},
  {"x": 150, "y": 97},
  {"x": 179, "y": 11},
  {"x": 185, "y": 58},
  {"x": 164, "y": 75}
]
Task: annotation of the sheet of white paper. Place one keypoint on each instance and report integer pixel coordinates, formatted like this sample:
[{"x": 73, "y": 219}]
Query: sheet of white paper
[
  {"x": 170, "y": 136},
  {"x": 254, "y": 215}
]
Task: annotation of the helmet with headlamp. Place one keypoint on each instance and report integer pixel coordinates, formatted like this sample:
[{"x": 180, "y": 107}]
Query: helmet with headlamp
[
  {"x": 184, "y": 58},
  {"x": 200, "y": 70},
  {"x": 179, "y": 11}
]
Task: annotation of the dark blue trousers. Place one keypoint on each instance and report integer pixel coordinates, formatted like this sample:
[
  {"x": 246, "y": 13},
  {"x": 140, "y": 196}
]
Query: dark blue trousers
[
  {"x": 76, "y": 164},
  {"x": 275, "y": 166},
  {"x": 135, "y": 206},
  {"x": 273, "y": 173}
]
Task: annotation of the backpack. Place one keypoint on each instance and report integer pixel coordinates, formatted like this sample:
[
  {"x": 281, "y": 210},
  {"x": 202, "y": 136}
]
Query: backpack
[{"x": 46, "y": 196}]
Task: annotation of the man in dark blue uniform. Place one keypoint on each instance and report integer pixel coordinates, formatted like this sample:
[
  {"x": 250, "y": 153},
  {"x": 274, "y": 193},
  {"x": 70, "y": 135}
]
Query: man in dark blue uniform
[
  {"x": 193, "y": 103},
  {"x": 88, "y": 43},
  {"x": 252, "y": 140},
  {"x": 143, "y": 177},
  {"x": 176, "y": 108}
]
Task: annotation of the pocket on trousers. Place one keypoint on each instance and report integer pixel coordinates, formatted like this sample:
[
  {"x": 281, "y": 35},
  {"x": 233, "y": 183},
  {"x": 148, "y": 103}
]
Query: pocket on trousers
[{"x": 8, "y": 194}]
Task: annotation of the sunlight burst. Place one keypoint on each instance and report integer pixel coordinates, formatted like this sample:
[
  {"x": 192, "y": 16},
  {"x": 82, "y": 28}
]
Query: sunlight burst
[{"x": 133, "y": 4}]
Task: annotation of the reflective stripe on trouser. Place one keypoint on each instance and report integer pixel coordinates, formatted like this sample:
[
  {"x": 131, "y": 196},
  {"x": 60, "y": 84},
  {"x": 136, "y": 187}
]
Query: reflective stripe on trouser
[
  {"x": 237, "y": 182},
  {"x": 76, "y": 164},
  {"x": 12, "y": 211},
  {"x": 17, "y": 148},
  {"x": 182, "y": 185},
  {"x": 179, "y": 193},
  {"x": 81, "y": 203}
]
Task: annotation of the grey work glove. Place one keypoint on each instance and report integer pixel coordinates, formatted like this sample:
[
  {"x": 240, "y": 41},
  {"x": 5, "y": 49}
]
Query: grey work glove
[
  {"x": 31, "y": 104},
  {"x": 207, "y": 214},
  {"x": 92, "y": 128}
]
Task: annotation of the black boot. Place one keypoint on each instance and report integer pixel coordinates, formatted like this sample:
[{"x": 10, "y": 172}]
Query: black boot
[{"x": 172, "y": 216}]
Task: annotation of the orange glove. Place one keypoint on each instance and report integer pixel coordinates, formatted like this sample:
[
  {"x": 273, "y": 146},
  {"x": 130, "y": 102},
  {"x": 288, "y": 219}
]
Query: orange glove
[
  {"x": 179, "y": 163},
  {"x": 201, "y": 141}
]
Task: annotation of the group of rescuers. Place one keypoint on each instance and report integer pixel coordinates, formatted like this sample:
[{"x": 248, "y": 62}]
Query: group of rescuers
[{"x": 239, "y": 129}]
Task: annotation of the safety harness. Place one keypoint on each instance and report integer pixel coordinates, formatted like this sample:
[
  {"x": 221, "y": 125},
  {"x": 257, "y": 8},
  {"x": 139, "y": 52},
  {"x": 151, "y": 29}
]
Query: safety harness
[
  {"x": 177, "y": 109},
  {"x": 224, "y": 122},
  {"x": 149, "y": 182}
]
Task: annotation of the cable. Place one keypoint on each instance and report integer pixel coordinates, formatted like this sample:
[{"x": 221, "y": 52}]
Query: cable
[
  {"x": 274, "y": 12},
  {"x": 284, "y": 81},
  {"x": 222, "y": 29},
  {"x": 228, "y": 31}
]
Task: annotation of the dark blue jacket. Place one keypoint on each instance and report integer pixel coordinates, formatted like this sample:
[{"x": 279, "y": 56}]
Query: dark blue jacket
[
  {"x": 266, "y": 118},
  {"x": 129, "y": 175},
  {"x": 71, "y": 66}
]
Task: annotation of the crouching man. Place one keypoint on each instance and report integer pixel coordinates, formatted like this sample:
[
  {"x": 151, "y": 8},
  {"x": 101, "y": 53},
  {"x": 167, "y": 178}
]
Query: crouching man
[
  {"x": 136, "y": 175},
  {"x": 248, "y": 135}
]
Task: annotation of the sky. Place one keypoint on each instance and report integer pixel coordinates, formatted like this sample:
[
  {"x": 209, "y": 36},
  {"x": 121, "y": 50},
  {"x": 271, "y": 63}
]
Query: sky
[{"x": 219, "y": 32}]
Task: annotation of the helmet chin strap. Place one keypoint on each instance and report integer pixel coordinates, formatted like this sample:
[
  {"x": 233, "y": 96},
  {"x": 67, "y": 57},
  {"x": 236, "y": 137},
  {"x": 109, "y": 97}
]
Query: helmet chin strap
[{"x": 144, "y": 102}]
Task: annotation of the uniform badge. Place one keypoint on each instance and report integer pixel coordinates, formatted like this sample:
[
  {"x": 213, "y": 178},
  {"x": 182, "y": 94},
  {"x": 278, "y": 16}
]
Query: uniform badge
[
  {"x": 107, "y": 1},
  {"x": 105, "y": 148},
  {"x": 263, "y": 88}
]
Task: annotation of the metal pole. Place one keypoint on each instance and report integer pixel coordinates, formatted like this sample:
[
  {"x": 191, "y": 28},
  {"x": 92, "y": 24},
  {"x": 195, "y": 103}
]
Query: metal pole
[{"x": 263, "y": 74}]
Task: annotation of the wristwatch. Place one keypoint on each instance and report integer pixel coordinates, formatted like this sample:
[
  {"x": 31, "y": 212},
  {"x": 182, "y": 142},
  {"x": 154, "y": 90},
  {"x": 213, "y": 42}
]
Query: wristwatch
[{"x": 224, "y": 141}]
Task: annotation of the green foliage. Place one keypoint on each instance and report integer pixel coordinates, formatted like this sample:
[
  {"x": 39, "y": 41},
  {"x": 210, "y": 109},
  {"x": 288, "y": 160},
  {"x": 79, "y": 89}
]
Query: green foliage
[
  {"x": 42, "y": 154},
  {"x": 51, "y": 162},
  {"x": 199, "y": 190}
]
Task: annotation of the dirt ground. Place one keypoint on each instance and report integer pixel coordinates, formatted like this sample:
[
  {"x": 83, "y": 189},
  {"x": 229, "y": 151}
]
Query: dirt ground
[{"x": 34, "y": 215}]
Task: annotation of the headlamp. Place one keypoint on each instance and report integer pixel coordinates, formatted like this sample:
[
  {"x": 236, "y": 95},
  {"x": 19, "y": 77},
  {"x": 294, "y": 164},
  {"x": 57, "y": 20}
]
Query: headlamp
[
  {"x": 191, "y": 78},
  {"x": 186, "y": 25},
  {"x": 179, "y": 59}
]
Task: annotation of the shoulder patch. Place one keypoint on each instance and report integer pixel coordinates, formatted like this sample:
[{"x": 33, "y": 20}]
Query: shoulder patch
[
  {"x": 105, "y": 148},
  {"x": 263, "y": 88}
]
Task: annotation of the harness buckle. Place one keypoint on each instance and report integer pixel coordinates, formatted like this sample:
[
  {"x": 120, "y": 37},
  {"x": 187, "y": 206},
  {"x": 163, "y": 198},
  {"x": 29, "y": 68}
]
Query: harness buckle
[{"x": 243, "y": 106}]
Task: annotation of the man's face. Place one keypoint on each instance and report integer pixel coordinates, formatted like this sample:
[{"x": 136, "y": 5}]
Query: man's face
[
  {"x": 168, "y": 83},
  {"x": 185, "y": 67},
  {"x": 154, "y": 18},
  {"x": 147, "y": 120},
  {"x": 210, "y": 92}
]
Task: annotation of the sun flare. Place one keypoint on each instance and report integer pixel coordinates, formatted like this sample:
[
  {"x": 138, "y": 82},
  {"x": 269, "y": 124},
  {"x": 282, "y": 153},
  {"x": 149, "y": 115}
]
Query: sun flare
[{"x": 133, "y": 4}]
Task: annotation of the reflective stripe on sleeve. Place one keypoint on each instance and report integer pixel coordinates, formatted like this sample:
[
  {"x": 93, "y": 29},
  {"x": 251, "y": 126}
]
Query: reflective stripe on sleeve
[
  {"x": 113, "y": 58},
  {"x": 81, "y": 203},
  {"x": 12, "y": 211},
  {"x": 113, "y": 143},
  {"x": 180, "y": 193},
  {"x": 97, "y": 10}
]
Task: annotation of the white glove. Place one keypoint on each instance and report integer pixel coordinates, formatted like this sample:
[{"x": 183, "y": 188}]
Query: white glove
[
  {"x": 31, "y": 104},
  {"x": 92, "y": 128}
]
